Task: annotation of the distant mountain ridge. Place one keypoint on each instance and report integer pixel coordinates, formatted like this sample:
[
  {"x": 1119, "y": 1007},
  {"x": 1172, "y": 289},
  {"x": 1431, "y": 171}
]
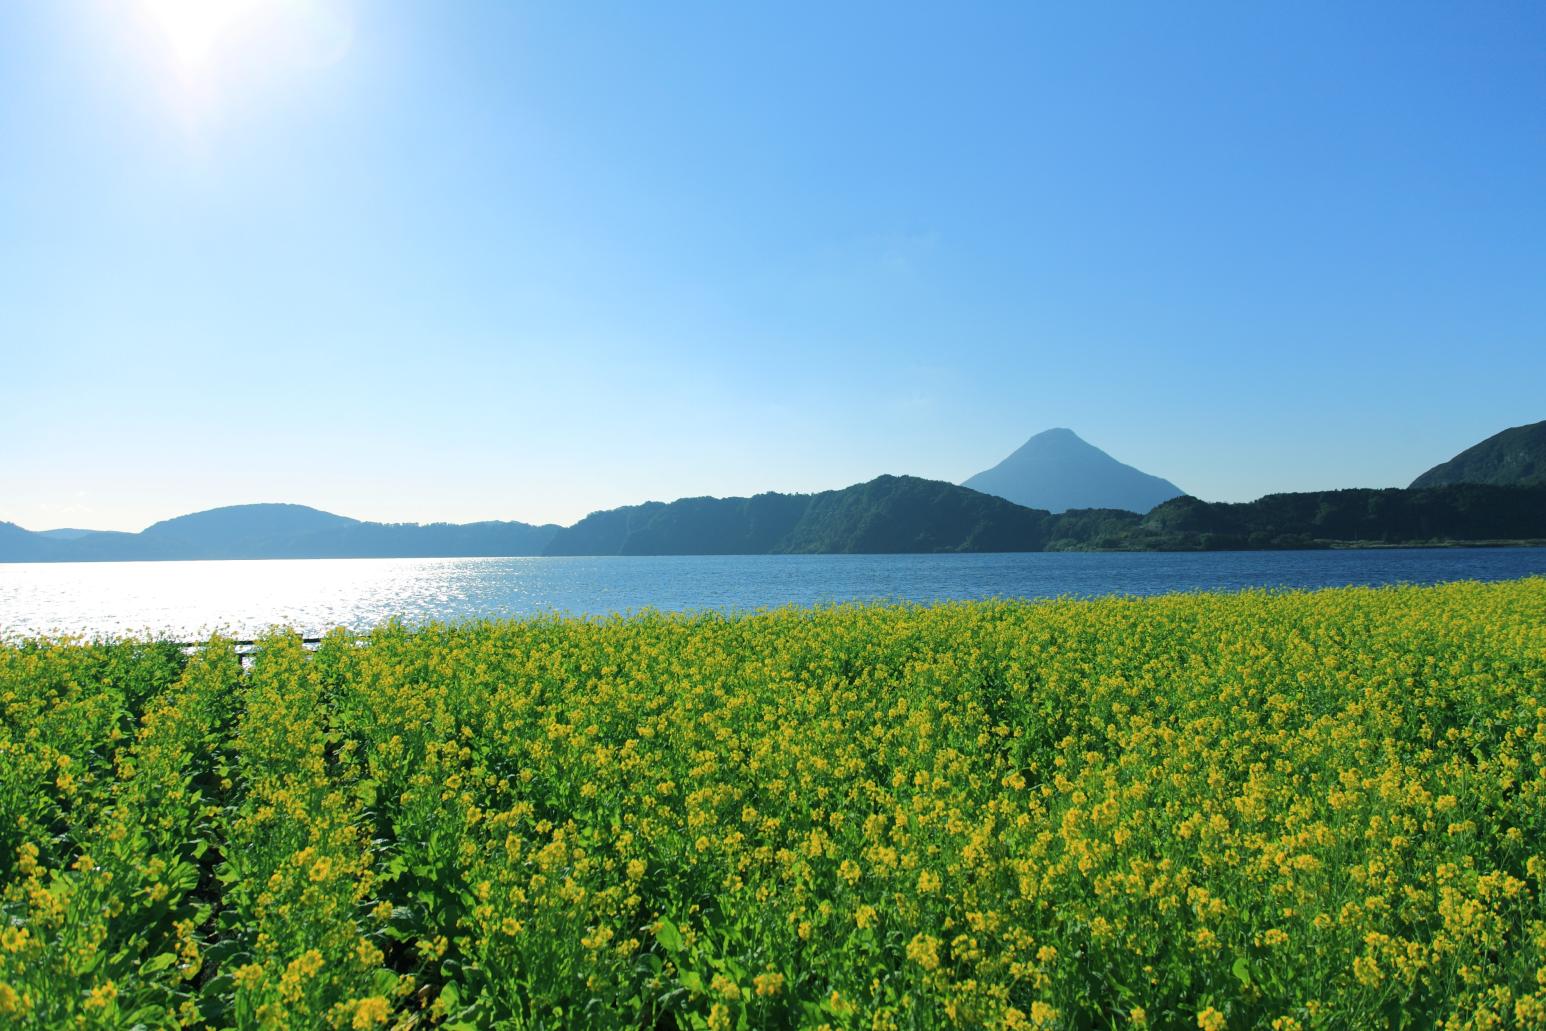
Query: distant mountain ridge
[
  {"x": 1057, "y": 470},
  {"x": 889, "y": 514},
  {"x": 1515, "y": 457},
  {"x": 1448, "y": 514},
  {"x": 247, "y": 523},
  {"x": 276, "y": 531}
]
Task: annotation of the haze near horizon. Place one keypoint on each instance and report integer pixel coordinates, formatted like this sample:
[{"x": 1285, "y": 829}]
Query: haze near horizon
[{"x": 407, "y": 263}]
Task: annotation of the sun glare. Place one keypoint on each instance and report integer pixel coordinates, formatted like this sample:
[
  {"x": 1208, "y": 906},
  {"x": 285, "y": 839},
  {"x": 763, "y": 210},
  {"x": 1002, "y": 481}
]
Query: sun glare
[
  {"x": 211, "y": 44},
  {"x": 195, "y": 29}
]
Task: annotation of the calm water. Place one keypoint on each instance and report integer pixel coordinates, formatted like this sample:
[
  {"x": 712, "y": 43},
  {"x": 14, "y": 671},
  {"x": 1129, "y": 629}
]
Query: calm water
[{"x": 186, "y": 600}]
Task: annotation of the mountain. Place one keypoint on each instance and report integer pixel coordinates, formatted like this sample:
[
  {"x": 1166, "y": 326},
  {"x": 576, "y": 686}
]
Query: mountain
[
  {"x": 491, "y": 539},
  {"x": 275, "y": 531},
  {"x": 65, "y": 533},
  {"x": 1056, "y": 470},
  {"x": 18, "y": 545},
  {"x": 889, "y": 514},
  {"x": 236, "y": 525},
  {"x": 1515, "y": 457},
  {"x": 706, "y": 526},
  {"x": 1454, "y": 513}
]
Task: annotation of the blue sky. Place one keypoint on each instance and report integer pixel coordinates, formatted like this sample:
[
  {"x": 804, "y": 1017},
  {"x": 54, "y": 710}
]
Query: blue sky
[{"x": 457, "y": 261}]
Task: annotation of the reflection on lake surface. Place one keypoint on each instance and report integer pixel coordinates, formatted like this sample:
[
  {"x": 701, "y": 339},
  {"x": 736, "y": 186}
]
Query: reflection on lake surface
[{"x": 186, "y": 600}]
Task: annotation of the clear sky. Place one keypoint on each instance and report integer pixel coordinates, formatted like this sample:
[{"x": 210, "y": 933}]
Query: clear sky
[{"x": 421, "y": 261}]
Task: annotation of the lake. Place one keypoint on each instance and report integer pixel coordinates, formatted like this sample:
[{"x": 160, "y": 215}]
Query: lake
[{"x": 187, "y": 600}]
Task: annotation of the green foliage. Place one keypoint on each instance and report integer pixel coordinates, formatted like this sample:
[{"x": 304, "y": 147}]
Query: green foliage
[
  {"x": 1267, "y": 809},
  {"x": 887, "y": 515},
  {"x": 1458, "y": 513},
  {"x": 890, "y": 514},
  {"x": 905, "y": 514},
  {"x": 1515, "y": 457}
]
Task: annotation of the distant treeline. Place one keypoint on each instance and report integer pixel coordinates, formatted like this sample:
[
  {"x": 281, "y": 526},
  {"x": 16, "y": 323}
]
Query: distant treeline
[
  {"x": 907, "y": 514},
  {"x": 890, "y": 514},
  {"x": 1465, "y": 512}
]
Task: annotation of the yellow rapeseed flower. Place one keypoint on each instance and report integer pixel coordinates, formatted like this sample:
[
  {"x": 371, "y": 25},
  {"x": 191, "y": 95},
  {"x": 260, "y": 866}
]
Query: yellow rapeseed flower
[{"x": 370, "y": 1012}]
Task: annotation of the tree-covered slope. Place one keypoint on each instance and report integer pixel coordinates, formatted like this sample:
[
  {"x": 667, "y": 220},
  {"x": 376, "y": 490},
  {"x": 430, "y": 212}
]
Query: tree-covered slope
[
  {"x": 1459, "y": 512},
  {"x": 688, "y": 526},
  {"x": 893, "y": 514},
  {"x": 1515, "y": 457},
  {"x": 889, "y": 514}
]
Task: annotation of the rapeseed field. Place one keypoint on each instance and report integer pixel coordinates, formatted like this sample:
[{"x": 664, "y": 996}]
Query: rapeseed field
[{"x": 1285, "y": 810}]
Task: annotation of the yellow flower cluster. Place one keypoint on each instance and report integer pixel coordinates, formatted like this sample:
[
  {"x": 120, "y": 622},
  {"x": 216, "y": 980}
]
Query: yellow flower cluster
[
  {"x": 1280, "y": 810},
  {"x": 107, "y": 753},
  {"x": 298, "y": 860}
]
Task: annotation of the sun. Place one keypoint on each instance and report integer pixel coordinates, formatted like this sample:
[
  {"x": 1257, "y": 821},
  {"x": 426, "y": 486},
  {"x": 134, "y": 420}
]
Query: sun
[
  {"x": 195, "y": 29},
  {"x": 216, "y": 49}
]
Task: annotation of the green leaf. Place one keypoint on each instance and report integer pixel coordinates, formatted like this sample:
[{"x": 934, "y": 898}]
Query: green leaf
[
  {"x": 446, "y": 1002},
  {"x": 669, "y": 936},
  {"x": 147, "y": 1016},
  {"x": 161, "y": 962},
  {"x": 1242, "y": 970},
  {"x": 223, "y": 952}
]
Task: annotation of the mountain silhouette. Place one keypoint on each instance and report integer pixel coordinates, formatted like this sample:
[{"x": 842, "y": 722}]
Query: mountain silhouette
[
  {"x": 1056, "y": 470},
  {"x": 1513, "y": 458},
  {"x": 276, "y": 531},
  {"x": 238, "y": 522},
  {"x": 887, "y": 515}
]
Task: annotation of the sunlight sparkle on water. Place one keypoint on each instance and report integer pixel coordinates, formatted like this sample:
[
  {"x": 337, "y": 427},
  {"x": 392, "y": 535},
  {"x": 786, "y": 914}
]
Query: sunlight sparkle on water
[
  {"x": 189, "y": 600},
  {"x": 186, "y": 600}
]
